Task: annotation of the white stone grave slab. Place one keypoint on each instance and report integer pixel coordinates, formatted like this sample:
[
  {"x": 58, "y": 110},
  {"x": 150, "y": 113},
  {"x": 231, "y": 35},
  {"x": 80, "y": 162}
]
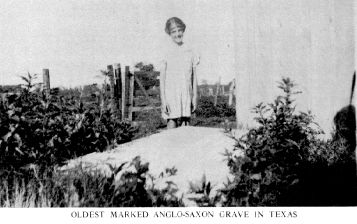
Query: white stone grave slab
[{"x": 310, "y": 41}]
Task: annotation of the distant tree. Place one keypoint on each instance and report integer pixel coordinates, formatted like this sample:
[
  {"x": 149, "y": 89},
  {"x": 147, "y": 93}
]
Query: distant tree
[
  {"x": 145, "y": 68},
  {"x": 10, "y": 88},
  {"x": 148, "y": 75},
  {"x": 90, "y": 89}
]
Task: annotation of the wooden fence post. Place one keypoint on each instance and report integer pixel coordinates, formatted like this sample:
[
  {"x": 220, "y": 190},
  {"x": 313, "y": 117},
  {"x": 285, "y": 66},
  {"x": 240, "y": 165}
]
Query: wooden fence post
[
  {"x": 131, "y": 96},
  {"x": 125, "y": 93},
  {"x": 232, "y": 87},
  {"x": 112, "y": 87},
  {"x": 118, "y": 86},
  {"x": 46, "y": 81},
  {"x": 217, "y": 91}
]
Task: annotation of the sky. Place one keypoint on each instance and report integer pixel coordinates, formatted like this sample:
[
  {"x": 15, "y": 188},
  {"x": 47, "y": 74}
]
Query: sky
[{"x": 77, "y": 39}]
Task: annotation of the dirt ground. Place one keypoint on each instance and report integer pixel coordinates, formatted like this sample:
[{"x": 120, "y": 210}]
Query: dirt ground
[{"x": 193, "y": 151}]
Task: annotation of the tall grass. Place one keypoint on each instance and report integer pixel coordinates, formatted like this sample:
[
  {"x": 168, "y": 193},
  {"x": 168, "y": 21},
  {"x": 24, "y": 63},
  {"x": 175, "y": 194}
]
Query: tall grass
[{"x": 129, "y": 185}]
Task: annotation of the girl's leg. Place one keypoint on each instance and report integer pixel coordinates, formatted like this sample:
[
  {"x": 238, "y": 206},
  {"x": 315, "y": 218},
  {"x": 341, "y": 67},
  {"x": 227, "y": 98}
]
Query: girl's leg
[
  {"x": 171, "y": 123},
  {"x": 185, "y": 121}
]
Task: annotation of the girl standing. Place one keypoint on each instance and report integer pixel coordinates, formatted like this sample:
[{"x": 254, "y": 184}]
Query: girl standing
[{"x": 178, "y": 79}]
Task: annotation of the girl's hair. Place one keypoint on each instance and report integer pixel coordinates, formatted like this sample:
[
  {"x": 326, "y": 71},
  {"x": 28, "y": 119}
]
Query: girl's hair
[{"x": 174, "y": 20}]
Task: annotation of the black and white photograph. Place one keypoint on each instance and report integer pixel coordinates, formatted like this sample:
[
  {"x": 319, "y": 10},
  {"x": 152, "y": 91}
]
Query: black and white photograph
[{"x": 209, "y": 111}]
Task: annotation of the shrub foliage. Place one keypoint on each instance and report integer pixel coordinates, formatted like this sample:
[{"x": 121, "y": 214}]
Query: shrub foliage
[
  {"x": 49, "y": 130},
  {"x": 208, "y": 114},
  {"x": 283, "y": 162}
]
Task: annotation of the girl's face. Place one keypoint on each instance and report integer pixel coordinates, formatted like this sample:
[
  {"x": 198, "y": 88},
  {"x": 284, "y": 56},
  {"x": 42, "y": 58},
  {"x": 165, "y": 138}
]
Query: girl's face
[{"x": 176, "y": 33}]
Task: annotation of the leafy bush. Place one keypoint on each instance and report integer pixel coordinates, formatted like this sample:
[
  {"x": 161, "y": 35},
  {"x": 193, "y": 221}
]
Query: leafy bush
[
  {"x": 206, "y": 107},
  {"x": 282, "y": 162},
  {"x": 209, "y": 115},
  {"x": 40, "y": 130},
  {"x": 129, "y": 187}
]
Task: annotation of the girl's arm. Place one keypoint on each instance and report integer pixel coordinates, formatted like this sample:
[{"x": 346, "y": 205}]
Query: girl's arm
[
  {"x": 194, "y": 89},
  {"x": 195, "y": 62}
]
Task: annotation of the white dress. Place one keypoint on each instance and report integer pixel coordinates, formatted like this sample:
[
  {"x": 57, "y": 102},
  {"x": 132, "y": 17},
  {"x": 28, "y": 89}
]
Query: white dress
[{"x": 180, "y": 61}]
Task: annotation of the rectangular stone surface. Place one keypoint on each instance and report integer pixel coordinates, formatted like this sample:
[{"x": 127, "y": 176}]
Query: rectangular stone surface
[{"x": 310, "y": 41}]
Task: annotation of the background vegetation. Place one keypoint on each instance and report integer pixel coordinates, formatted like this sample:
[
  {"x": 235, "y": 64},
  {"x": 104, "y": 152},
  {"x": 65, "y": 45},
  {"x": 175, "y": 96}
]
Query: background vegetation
[
  {"x": 42, "y": 130},
  {"x": 281, "y": 162},
  {"x": 209, "y": 115}
]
